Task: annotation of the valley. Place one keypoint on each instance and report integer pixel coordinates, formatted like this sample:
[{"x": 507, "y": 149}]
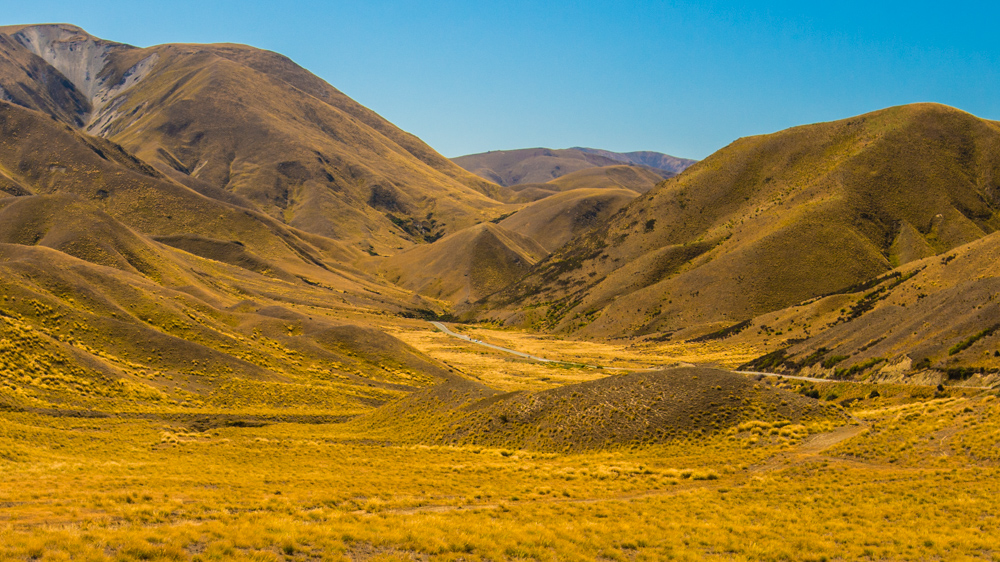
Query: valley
[
  {"x": 166, "y": 488},
  {"x": 243, "y": 316}
]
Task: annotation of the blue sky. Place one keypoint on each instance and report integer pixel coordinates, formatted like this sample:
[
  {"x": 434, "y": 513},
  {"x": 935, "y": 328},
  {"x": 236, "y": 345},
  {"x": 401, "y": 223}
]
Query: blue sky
[{"x": 685, "y": 78}]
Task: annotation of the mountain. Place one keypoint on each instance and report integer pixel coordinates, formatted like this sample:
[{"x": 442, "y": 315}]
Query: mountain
[
  {"x": 126, "y": 284},
  {"x": 655, "y": 160},
  {"x": 541, "y": 165},
  {"x": 250, "y": 128},
  {"x": 771, "y": 221}
]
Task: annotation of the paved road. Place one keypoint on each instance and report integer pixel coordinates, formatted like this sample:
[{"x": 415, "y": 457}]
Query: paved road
[{"x": 448, "y": 331}]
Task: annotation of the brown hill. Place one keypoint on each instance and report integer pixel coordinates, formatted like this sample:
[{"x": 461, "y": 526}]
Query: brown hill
[
  {"x": 251, "y": 128},
  {"x": 655, "y": 160},
  {"x": 43, "y": 157},
  {"x": 465, "y": 266},
  {"x": 636, "y": 408},
  {"x": 632, "y": 178},
  {"x": 930, "y": 321},
  {"x": 771, "y": 221},
  {"x": 553, "y": 221},
  {"x": 542, "y": 165}
]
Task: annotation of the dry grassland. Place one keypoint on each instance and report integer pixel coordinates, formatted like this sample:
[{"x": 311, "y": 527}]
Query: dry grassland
[
  {"x": 507, "y": 372},
  {"x": 915, "y": 478}
]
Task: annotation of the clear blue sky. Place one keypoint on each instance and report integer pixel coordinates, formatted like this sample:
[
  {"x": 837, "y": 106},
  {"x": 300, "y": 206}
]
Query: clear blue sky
[{"x": 685, "y": 78}]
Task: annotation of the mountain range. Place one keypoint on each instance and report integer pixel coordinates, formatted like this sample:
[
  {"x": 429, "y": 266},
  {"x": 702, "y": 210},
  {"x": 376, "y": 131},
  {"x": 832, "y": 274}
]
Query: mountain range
[{"x": 218, "y": 215}]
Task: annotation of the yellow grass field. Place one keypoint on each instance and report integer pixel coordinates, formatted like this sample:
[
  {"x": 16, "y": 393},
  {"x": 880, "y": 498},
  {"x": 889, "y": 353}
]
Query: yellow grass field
[{"x": 913, "y": 477}]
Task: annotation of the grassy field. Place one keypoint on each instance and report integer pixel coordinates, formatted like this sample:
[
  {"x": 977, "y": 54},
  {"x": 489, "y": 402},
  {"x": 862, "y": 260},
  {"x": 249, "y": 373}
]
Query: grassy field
[
  {"x": 914, "y": 476},
  {"x": 507, "y": 372}
]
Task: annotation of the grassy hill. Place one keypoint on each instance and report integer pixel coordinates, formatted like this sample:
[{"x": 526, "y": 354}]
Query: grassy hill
[
  {"x": 771, "y": 221},
  {"x": 931, "y": 321},
  {"x": 466, "y": 266},
  {"x": 555, "y": 220},
  {"x": 251, "y": 128}
]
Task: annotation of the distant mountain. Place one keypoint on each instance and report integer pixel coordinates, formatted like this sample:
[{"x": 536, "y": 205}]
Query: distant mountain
[
  {"x": 541, "y": 165},
  {"x": 771, "y": 221},
  {"x": 655, "y": 160}
]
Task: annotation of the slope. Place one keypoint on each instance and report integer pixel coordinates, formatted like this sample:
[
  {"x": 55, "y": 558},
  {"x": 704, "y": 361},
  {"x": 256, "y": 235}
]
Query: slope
[
  {"x": 931, "y": 321},
  {"x": 771, "y": 221},
  {"x": 79, "y": 335},
  {"x": 465, "y": 266},
  {"x": 555, "y": 220},
  {"x": 40, "y": 156}
]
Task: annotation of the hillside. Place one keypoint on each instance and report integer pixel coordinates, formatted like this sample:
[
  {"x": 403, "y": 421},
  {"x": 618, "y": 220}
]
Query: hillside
[
  {"x": 465, "y": 266},
  {"x": 931, "y": 321},
  {"x": 771, "y": 221},
  {"x": 79, "y": 335},
  {"x": 555, "y": 220},
  {"x": 542, "y": 165},
  {"x": 633, "y": 178},
  {"x": 250, "y": 128}
]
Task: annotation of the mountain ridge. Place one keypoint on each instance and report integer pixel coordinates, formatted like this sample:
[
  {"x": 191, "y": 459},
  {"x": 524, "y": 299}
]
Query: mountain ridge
[
  {"x": 250, "y": 126},
  {"x": 714, "y": 244},
  {"x": 542, "y": 165}
]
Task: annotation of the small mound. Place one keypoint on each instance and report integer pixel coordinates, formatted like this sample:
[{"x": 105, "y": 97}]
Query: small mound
[{"x": 631, "y": 409}]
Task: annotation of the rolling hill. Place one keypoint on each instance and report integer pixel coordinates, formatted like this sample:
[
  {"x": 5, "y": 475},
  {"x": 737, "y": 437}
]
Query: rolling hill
[
  {"x": 555, "y": 220},
  {"x": 771, "y": 221},
  {"x": 632, "y": 178},
  {"x": 465, "y": 266}
]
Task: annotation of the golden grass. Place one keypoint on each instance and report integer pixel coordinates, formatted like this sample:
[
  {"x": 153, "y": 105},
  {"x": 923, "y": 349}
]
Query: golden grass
[
  {"x": 115, "y": 489},
  {"x": 511, "y": 372}
]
